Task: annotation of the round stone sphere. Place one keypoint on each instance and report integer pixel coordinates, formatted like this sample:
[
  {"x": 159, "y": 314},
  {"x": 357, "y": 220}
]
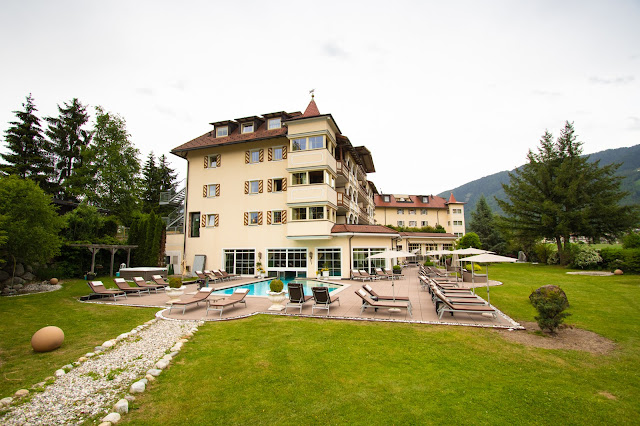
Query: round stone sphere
[
  {"x": 47, "y": 339},
  {"x": 618, "y": 272},
  {"x": 53, "y": 281}
]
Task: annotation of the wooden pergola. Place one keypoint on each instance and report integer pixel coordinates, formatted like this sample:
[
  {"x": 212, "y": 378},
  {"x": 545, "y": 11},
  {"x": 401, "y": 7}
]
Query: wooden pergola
[{"x": 94, "y": 248}]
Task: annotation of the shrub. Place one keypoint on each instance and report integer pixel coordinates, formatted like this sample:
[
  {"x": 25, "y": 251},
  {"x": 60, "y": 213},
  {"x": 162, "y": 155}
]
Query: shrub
[
  {"x": 611, "y": 257},
  {"x": 544, "y": 251},
  {"x": 550, "y": 302},
  {"x": 276, "y": 286},
  {"x": 553, "y": 258},
  {"x": 428, "y": 263},
  {"x": 397, "y": 267},
  {"x": 586, "y": 257},
  {"x": 631, "y": 258},
  {"x": 175, "y": 282},
  {"x": 631, "y": 240}
]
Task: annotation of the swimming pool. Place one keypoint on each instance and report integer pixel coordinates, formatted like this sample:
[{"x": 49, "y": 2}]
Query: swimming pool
[{"x": 261, "y": 288}]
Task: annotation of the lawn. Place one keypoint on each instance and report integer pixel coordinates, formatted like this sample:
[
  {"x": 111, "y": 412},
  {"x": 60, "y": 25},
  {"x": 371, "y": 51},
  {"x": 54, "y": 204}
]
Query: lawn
[
  {"x": 268, "y": 369},
  {"x": 85, "y": 326}
]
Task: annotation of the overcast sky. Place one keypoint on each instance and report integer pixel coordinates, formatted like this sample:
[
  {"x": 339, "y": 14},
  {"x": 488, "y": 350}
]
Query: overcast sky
[{"x": 441, "y": 92}]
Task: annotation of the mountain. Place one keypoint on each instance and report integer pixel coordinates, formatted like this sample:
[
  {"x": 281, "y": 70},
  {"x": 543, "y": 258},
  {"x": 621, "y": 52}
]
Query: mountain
[{"x": 491, "y": 186}]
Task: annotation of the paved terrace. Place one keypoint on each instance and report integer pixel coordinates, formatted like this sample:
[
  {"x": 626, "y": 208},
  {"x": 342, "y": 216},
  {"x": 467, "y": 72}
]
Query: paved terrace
[{"x": 349, "y": 308}]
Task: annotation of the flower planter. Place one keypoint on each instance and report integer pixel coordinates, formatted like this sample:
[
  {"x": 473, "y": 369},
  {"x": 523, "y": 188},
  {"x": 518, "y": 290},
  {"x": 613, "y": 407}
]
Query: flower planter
[
  {"x": 174, "y": 294},
  {"x": 325, "y": 273},
  {"x": 276, "y": 299}
]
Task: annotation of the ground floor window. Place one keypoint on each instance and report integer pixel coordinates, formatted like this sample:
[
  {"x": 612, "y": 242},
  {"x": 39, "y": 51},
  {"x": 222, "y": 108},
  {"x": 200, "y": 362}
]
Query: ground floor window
[
  {"x": 430, "y": 247},
  {"x": 360, "y": 260},
  {"x": 415, "y": 246},
  {"x": 330, "y": 258},
  {"x": 287, "y": 259},
  {"x": 447, "y": 246},
  {"x": 240, "y": 261}
]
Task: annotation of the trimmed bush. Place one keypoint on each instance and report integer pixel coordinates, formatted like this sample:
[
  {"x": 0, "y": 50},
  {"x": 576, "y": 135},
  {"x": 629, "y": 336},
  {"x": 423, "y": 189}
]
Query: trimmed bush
[
  {"x": 276, "y": 286},
  {"x": 175, "y": 282},
  {"x": 550, "y": 302},
  {"x": 631, "y": 241},
  {"x": 585, "y": 257}
]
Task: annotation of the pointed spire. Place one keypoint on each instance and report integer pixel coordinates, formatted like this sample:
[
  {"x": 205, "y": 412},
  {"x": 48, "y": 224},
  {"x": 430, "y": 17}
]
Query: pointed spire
[
  {"x": 312, "y": 108},
  {"x": 452, "y": 199}
]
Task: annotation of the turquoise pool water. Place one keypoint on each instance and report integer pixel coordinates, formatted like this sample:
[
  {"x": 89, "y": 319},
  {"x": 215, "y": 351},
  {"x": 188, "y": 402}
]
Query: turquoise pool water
[{"x": 262, "y": 287}]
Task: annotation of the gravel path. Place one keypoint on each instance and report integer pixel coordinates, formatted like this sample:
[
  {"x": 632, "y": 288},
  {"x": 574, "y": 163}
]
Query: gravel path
[{"x": 92, "y": 388}]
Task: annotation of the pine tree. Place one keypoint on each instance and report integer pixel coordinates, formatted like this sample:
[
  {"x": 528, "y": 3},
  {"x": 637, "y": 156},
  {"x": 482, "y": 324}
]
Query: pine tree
[
  {"x": 166, "y": 175},
  {"x": 150, "y": 184},
  {"x": 116, "y": 181},
  {"x": 484, "y": 224},
  {"x": 27, "y": 155},
  {"x": 74, "y": 168},
  {"x": 559, "y": 194}
]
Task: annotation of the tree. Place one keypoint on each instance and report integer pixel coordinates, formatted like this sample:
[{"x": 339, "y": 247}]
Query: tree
[
  {"x": 31, "y": 223},
  {"x": 470, "y": 239},
  {"x": 86, "y": 225},
  {"x": 116, "y": 178},
  {"x": 70, "y": 147},
  {"x": 27, "y": 155},
  {"x": 151, "y": 184},
  {"x": 559, "y": 194},
  {"x": 484, "y": 224}
]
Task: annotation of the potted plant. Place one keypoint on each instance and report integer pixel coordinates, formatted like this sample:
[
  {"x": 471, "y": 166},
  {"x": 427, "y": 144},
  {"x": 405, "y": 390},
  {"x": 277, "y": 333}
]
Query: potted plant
[
  {"x": 261, "y": 270},
  {"x": 325, "y": 270},
  {"x": 276, "y": 295},
  {"x": 175, "y": 290},
  {"x": 90, "y": 276},
  {"x": 397, "y": 269}
]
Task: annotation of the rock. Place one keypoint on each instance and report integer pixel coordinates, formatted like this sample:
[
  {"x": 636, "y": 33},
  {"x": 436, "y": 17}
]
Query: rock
[
  {"x": 108, "y": 343},
  {"x": 174, "y": 354},
  {"x": 134, "y": 331},
  {"x": 618, "y": 272},
  {"x": 111, "y": 417},
  {"x": 98, "y": 349},
  {"x": 167, "y": 358},
  {"x": 122, "y": 336},
  {"x": 49, "y": 379},
  {"x": 11, "y": 282},
  {"x": 137, "y": 387},
  {"x": 67, "y": 367},
  {"x": 183, "y": 340},
  {"x": 19, "y": 269},
  {"x": 82, "y": 359},
  {"x": 154, "y": 372},
  {"x": 28, "y": 276},
  {"x": 89, "y": 354},
  {"x": 38, "y": 385},
  {"x": 105, "y": 424},
  {"x": 28, "y": 268},
  {"x": 17, "y": 286},
  {"x": 162, "y": 364},
  {"x": 176, "y": 347},
  {"x": 122, "y": 406},
  {"x": 59, "y": 373},
  {"x": 21, "y": 393},
  {"x": 6, "y": 401},
  {"x": 53, "y": 281},
  {"x": 130, "y": 398},
  {"x": 145, "y": 381},
  {"x": 149, "y": 378},
  {"x": 4, "y": 275}
]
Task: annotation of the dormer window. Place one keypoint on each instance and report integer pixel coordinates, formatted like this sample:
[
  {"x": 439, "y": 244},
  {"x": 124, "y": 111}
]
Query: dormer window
[
  {"x": 274, "y": 123},
  {"x": 386, "y": 198},
  {"x": 425, "y": 199},
  {"x": 222, "y": 131},
  {"x": 247, "y": 127}
]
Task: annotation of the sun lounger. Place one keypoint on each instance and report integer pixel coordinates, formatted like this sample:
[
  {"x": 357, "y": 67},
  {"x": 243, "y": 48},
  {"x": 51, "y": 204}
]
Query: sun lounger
[
  {"x": 212, "y": 277},
  {"x": 124, "y": 286},
  {"x": 140, "y": 282},
  {"x": 368, "y": 303},
  {"x": 395, "y": 276},
  {"x": 447, "y": 306},
  {"x": 219, "y": 275},
  {"x": 237, "y": 297},
  {"x": 296, "y": 296},
  {"x": 203, "y": 280},
  {"x": 355, "y": 275},
  {"x": 376, "y": 296},
  {"x": 385, "y": 275},
  {"x": 322, "y": 299},
  {"x": 98, "y": 288},
  {"x": 200, "y": 296},
  {"x": 230, "y": 276},
  {"x": 364, "y": 273}
]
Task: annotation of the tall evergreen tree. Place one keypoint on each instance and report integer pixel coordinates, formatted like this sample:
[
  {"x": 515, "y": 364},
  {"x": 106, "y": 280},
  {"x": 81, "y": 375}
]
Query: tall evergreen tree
[
  {"x": 559, "y": 194},
  {"x": 70, "y": 145},
  {"x": 27, "y": 155},
  {"x": 166, "y": 175},
  {"x": 116, "y": 179},
  {"x": 483, "y": 223},
  {"x": 150, "y": 184}
]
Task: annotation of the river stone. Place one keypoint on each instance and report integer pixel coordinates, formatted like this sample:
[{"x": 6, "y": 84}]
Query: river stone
[
  {"x": 154, "y": 372},
  {"x": 149, "y": 378},
  {"x": 162, "y": 364},
  {"x": 176, "y": 347},
  {"x": 122, "y": 406},
  {"x": 183, "y": 340},
  {"x": 134, "y": 331},
  {"x": 3, "y": 276},
  {"x": 137, "y": 387},
  {"x": 17, "y": 286},
  {"x": 82, "y": 359},
  {"x": 122, "y": 336},
  {"x": 47, "y": 339},
  {"x": 19, "y": 269},
  {"x": 108, "y": 344},
  {"x": 105, "y": 424},
  {"x": 618, "y": 272},
  {"x": 167, "y": 358},
  {"x": 145, "y": 381},
  {"x": 14, "y": 281},
  {"x": 174, "y": 354},
  {"x": 111, "y": 417},
  {"x": 67, "y": 367},
  {"x": 130, "y": 398},
  {"x": 28, "y": 276},
  {"x": 59, "y": 373},
  {"x": 21, "y": 393},
  {"x": 98, "y": 349},
  {"x": 6, "y": 401},
  {"x": 89, "y": 354}
]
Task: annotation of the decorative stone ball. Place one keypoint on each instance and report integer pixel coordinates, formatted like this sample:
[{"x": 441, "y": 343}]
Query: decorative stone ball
[
  {"x": 618, "y": 272},
  {"x": 53, "y": 281},
  {"x": 47, "y": 339}
]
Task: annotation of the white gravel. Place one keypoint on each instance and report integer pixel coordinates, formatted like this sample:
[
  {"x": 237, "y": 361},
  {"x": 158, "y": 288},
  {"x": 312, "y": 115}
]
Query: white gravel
[{"x": 93, "y": 387}]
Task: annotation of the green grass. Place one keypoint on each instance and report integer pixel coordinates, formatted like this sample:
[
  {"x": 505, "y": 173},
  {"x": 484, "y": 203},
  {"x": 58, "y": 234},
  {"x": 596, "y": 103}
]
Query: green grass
[
  {"x": 84, "y": 325},
  {"x": 270, "y": 370}
]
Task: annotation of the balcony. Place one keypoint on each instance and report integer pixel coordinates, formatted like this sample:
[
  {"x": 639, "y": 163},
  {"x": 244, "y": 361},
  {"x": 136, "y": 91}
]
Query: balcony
[
  {"x": 344, "y": 202},
  {"x": 311, "y": 158},
  {"x": 317, "y": 193},
  {"x": 309, "y": 229}
]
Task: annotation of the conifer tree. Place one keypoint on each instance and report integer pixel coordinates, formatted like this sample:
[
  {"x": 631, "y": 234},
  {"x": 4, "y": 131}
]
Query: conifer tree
[
  {"x": 27, "y": 155},
  {"x": 484, "y": 224},
  {"x": 150, "y": 185},
  {"x": 559, "y": 194}
]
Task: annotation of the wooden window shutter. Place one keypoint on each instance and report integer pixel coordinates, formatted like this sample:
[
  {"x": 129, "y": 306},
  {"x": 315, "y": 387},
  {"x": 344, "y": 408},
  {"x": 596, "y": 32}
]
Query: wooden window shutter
[
  {"x": 284, "y": 216},
  {"x": 216, "y": 219},
  {"x": 206, "y": 161},
  {"x": 268, "y": 217},
  {"x": 203, "y": 221},
  {"x": 247, "y": 157},
  {"x": 260, "y": 186},
  {"x": 246, "y": 218},
  {"x": 218, "y": 160},
  {"x": 261, "y": 155},
  {"x": 217, "y": 190},
  {"x": 269, "y": 185},
  {"x": 246, "y": 186},
  {"x": 204, "y": 191},
  {"x": 284, "y": 152},
  {"x": 270, "y": 154},
  {"x": 259, "y": 218},
  {"x": 284, "y": 184}
]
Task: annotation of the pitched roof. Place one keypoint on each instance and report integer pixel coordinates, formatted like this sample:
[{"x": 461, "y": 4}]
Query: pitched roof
[
  {"x": 414, "y": 202},
  {"x": 452, "y": 199},
  {"x": 427, "y": 235},
  {"x": 312, "y": 109},
  {"x": 366, "y": 229},
  {"x": 208, "y": 139}
]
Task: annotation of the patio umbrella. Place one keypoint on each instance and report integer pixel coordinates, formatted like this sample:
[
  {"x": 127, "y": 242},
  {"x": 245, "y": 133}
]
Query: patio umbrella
[
  {"x": 489, "y": 258},
  {"x": 392, "y": 254}
]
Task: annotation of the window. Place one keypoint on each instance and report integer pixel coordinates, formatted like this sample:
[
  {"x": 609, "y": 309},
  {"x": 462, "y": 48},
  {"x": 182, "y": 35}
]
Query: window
[
  {"x": 194, "y": 220},
  {"x": 430, "y": 247},
  {"x": 282, "y": 259},
  {"x": 316, "y": 142},
  {"x": 247, "y": 127},
  {"x": 447, "y": 246},
  {"x": 274, "y": 123},
  {"x": 412, "y": 211},
  {"x": 255, "y": 156},
  {"x": 425, "y": 199},
  {"x": 400, "y": 211},
  {"x": 299, "y": 213},
  {"x": 276, "y": 217},
  {"x": 312, "y": 142},
  {"x": 240, "y": 261},
  {"x": 299, "y": 179},
  {"x": 316, "y": 176},
  {"x": 457, "y": 222},
  {"x": 277, "y": 185},
  {"x": 253, "y": 218},
  {"x": 211, "y": 220},
  {"x": 424, "y": 223},
  {"x": 222, "y": 131},
  {"x": 415, "y": 246},
  {"x": 401, "y": 223},
  {"x": 458, "y": 234},
  {"x": 330, "y": 258},
  {"x": 457, "y": 211},
  {"x": 361, "y": 261},
  {"x": 211, "y": 190},
  {"x": 385, "y": 198},
  {"x": 299, "y": 144},
  {"x": 277, "y": 153},
  {"x": 413, "y": 223},
  {"x": 423, "y": 211},
  {"x": 254, "y": 187},
  {"x": 316, "y": 212},
  {"x": 213, "y": 161}
]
